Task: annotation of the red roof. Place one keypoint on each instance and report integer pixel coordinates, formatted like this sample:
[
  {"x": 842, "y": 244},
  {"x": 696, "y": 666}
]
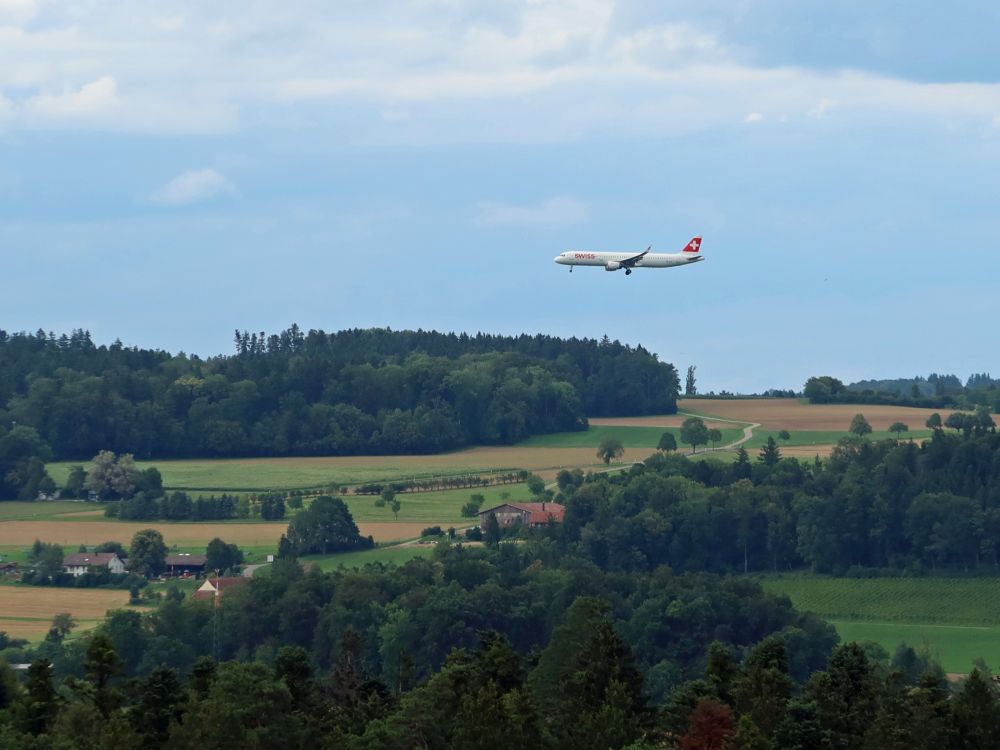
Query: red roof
[{"x": 540, "y": 512}]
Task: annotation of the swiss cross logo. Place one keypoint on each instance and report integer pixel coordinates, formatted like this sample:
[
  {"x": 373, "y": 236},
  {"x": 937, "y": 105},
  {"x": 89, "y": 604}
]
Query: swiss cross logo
[{"x": 693, "y": 245}]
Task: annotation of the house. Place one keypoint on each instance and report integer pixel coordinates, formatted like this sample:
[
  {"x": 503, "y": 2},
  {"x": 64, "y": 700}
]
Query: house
[
  {"x": 185, "y": 564},
  {"x": 9, "y": 569},
  {"x": 80, "y": 562},
  {"x": 528, "y": 514},
  {"x": 218, "y": 587}
]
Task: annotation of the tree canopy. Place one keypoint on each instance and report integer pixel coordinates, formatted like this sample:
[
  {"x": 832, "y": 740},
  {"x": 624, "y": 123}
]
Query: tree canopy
[{"x": 310, "y": 393}]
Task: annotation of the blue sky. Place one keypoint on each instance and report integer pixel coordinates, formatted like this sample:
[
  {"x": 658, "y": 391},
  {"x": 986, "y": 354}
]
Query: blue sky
[{"x": 172, "y": 171}]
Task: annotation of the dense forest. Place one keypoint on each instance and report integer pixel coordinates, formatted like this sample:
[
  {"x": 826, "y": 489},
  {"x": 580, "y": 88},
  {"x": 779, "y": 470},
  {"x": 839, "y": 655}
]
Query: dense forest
[
  {"x": 873, "y": 506},
  {"x": 313, "y": 393}
]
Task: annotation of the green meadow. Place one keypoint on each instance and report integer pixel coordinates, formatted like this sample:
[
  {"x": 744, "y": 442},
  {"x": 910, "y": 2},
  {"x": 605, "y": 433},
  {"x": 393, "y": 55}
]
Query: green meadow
[
  {"x": 435, "y": 508},
  {"x": 394, "y": 555},
  {"x": 630, "y": 437},
  {"x": 261, "y": 475},
  {"x": 825, "y": 437},
  {"x": 956, "y": 619}
]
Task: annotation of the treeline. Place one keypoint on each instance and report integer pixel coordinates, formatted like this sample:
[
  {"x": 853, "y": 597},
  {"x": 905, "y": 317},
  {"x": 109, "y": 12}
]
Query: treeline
[
  {"x": 933, "y": 392},
  {"x": 443, "y": 483},
  {"x": 557, "y": 652},
  {"x": 871, "y": 507},
  {"x": 298, "y": 393}
]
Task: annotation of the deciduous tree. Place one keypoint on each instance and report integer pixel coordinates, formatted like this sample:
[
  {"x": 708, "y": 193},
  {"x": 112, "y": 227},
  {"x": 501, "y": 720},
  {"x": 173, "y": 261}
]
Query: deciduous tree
[
  {"x": 694, "y": 432},
  {"x": 667, "y": 442},
  {"x": 148, "y": 553},
  {"x": 610, "y": 448},
  {"x": 859, "y": 426}
]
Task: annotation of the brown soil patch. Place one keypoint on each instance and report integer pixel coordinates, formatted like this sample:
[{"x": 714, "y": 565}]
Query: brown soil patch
[
  {"x": 32, "y": 630},
  {"x": 805, "y": 451},
  {"x": 791, "y": 414},
  {"x": 391, "y": 532},
  {"x": 665, "y": 420},
  {"x": 47, "y": 601}
]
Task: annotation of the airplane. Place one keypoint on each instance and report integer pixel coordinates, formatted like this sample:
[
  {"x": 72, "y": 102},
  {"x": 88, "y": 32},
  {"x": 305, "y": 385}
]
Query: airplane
[{"x": 614, "y": 261}]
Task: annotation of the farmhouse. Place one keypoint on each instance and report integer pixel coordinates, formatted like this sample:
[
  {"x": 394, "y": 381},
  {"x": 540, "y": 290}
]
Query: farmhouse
[
  {"x": 80, "y": 562},
  {"x": 185, "y": 564},
  {"x": 218, "y": 587},
  {"x": 528, "y": 514}
]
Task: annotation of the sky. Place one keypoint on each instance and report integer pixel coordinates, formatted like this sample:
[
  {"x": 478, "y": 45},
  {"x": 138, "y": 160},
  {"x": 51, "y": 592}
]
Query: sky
[{"x": 173, "y": 171}]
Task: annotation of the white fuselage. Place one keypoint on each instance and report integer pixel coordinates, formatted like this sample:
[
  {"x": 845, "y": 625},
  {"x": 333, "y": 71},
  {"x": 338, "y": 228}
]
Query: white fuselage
[{"x": 609, "y": 260}]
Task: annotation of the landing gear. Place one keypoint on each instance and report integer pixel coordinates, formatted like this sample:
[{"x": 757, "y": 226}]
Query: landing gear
[
  {"x": 628, "y": 271},
  {"x": 571, "y": 269}
]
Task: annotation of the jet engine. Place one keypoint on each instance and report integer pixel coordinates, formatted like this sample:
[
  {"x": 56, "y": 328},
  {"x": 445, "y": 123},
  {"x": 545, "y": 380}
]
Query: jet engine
[{"x": 612, "y": 265}]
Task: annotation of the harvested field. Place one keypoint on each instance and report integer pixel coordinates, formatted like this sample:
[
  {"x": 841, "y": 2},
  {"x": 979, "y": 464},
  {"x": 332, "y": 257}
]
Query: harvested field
[
  {"x": 72, "y": 533},
  {"x": 22, "y": 602},
  {"x": 665, "y": 420},
  {"x": 792, "y": 414},
  {"x": 27, "y": 612},
  {"x": 390, "y": 532}
]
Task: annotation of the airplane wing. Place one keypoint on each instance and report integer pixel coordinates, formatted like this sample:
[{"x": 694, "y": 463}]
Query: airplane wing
[{"x": 628, "y": 262}]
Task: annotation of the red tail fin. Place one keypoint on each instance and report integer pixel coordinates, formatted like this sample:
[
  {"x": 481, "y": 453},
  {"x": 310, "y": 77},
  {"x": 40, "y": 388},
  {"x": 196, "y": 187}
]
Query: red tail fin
[{"x": 693, "y": 246}]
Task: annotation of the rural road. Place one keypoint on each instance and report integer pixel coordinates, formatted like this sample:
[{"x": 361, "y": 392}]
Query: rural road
[
  {"x": 249, "y": 570},
  {"x": 747, "y": 431}
]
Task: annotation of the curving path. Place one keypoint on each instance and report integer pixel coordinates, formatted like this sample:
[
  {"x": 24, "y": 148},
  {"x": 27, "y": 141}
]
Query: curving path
[{"x": 747, "y": 431}]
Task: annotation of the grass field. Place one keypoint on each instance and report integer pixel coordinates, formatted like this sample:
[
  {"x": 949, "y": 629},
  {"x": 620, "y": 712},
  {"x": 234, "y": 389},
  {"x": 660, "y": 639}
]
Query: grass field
[
  {"x": 27, "y": 611},
  {"x": 813, "y": 438},
  {"x": 260, "y": 474},
  {"x": 631, "y": 436},
  {"x": 958, "y": 619},
  {"x": 955, "y": 647},
  {"x": 397, "y": 555},
  {"x": 434, "y": 507},
  {"x": 19, "y": 510}
]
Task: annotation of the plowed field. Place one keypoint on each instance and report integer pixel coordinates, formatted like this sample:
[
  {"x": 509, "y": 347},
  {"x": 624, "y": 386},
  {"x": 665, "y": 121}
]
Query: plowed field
[{"x": 792, "y": 414}]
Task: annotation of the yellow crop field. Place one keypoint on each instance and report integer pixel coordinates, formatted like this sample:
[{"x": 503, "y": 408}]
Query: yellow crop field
[
  {"x": 792, "y": 414},
  {"x": 27, "y": 611}
]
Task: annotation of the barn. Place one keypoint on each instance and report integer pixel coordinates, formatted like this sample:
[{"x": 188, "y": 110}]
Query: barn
[{"x": 527, "y": 514}]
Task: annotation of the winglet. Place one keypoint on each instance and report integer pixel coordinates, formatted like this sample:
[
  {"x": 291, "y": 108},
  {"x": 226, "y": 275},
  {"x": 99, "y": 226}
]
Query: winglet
[{"x": 693, "y": 246}]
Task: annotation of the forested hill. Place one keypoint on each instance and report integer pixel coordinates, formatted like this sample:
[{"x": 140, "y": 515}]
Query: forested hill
[{"x": 313, "y": 393}]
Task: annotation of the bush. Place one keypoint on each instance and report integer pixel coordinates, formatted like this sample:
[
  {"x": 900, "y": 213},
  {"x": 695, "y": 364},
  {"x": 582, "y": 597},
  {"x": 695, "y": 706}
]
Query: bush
[
  {"x": 432, "y": 531},
  {"x": 474, "y": 534}
]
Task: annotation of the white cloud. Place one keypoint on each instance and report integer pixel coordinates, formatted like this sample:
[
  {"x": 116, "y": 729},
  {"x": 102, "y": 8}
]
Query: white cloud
[
  {"x": 559, "y": 211},
  {"x": 440, "y": 70},
  {"x": 754, "y": 117},
  {"x": 17, "y": 11},
  {"x": 95, "y": 99},
  {"x": 192, "y": 186}
]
